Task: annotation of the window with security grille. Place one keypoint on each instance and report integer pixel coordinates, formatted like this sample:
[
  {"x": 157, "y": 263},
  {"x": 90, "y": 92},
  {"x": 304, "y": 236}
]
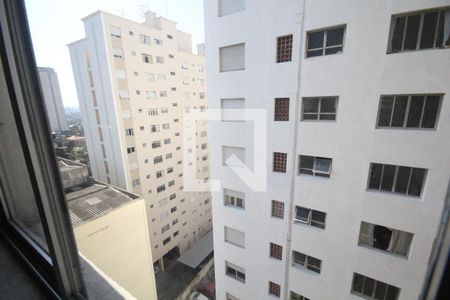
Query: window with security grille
[
  {"x": 274, "y": 289},
  {"x": 276, "y": 251},
  {"x": 277, "y": 209},
  {"x": 279, "y": 162},
  {"x": 281, "y": 109},
  {"x": 284, "y": 48}
]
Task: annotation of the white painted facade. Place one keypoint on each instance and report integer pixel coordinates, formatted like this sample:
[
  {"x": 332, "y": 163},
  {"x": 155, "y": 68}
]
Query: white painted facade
[
  {"x": 118, "y": 93},
  {"x": 53, "y": 99},
  {"x": 358, "y": 76}
]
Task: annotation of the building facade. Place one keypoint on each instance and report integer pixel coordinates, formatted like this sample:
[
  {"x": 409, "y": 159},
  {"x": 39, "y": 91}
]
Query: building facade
[
  {"x": 53, "y": 99},
  {"x": 357, "y": 114},
  {"x": 135, "y": 82},
  {"x": 111, "y": 230}
]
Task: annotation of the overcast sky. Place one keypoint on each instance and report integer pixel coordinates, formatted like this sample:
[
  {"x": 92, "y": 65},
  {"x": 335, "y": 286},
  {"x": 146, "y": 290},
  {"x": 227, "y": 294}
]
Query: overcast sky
[{"x": 56, "y": 23}]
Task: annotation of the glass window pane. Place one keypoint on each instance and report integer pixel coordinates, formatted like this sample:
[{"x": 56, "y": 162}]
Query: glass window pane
[
  {"x": 318, "y": 219},
  {"x": 328, "y": 105},
  {"x": 380, "y": 290},
  {"x": 398, "y": 116},
  {"x": 392, "y": 293},
  {"x": 333, "y": 50},
  {"x": 299, "y": 258},
  {"x": 415, "y": 185},
  {"x": 310, "y": 116},
  {"x": 375, "y": 176},
  {"x": 401, "y": 184},
  {"x": 386, "y": 104},
  {"x": 327, "y": 117},
  {"x": 415, "y": 111},
  {"x": 312, "y": 53},
  {"x": 397, "y": 36},
  {"x": 368, "y": 287},
  {"x": 315, "y": 40},
  {"x": 428, "y": 30},
  {"x": 335, "y": 36},
  {"x": 313, "y": 264},
  {"x": 306, "y": 161},
  {"x": 440, "y": 32},
  {"x": 412, "y": 32},
  {"x": 388, "y": 178},
  {"x": 302, "y": 214},
  {"x": 430, "y": 111},
  {"x": 358, "y": 281},
  {"x": 311, "y": 105},
  {"x": 322, "y": 165}
]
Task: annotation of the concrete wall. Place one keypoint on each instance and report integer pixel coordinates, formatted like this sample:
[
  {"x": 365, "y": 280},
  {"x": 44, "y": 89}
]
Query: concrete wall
[{"x": 118, "y": 243}]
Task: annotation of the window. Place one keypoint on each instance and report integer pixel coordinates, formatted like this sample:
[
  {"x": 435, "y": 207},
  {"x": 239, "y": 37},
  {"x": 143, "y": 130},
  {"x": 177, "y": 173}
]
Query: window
[
  {"x": 232, "y": 58},
  {"x": 171, "y": 183},
  {"x": 159, "y": 174},
  {"x": 147, "y": 58},
  {"x": 163, "y": 94},
  {"x": 158, "y": 159},
  {"x": 325, "y": 41},
  {"x": 165, "y": 228},
  {"x": 295, "y": 296},
  {"x": 321, "y": 108},
  {"x": 123, "y": 94},
  {"x": 160, "y": 59},
  {"x": 144, "y": 39},
  {"x": 310, "y": 217},
  {"x": 166, "y": 126},
  {"x": 233, "y": 156},
  {"x": 397, "y": 179},
  {"x": 164, "y": 110},
  {"x": 276, "y": 251},
  {"x": 228, "y": 296},
  {"x": 370, "y": 288},
  {"x": 156, "y": 144},
  {"x": 227, "y": 7},
  {"x": 234, "y": 237},
  {"x": 173, "y": 209},
  {"x": 153, "y": 111},
  {"x": 117, "y": 52},
  {"x": 150, "y": 94},
  {"x": 284, "y": 48},
  {"x": 154, "y": 128},
  {"x": 130, "y": 150},
  {"x": 173, "y": 196},
  {"x": 176, "y": 233},
  {"x": 274, "y": 289},
  {"x": 234, "y": 198},
  {"x": 158, "y": 42},
  {"x": 168, "y": 155},
  {"x": 161, "y": 188},
  {"x": 277, "y": 209},
  {"x": 233, "y": 109},
  {"x": 135, "y": 182},
  {"x": 129, "y": 132},
  {"x": 161, "y": 77},
  {"x": 149, "y": 76},
  {"x": 417, "y": 31},
  {"x": 409, "y": 111},
  {"x": 115, "y": 31},
  {"x": 235, "y": 272},
  {"x": 316, "y": 166},
  {"x": 166, "y": 241},
  {"x": 166, "y": 141},
  {"x": 306, "y": 262},
  {"x": 121, "y": 74},
  {"x": 169, "y": 36},
  {"x": 169, "y": 170},
  {"x": 281, "y": 109},
  {"x": 387, "y": 239},
  {"x": 279, "y": 162}
]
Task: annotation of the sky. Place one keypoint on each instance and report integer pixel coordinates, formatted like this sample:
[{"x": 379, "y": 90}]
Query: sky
[{"x": 56, "y": 23}]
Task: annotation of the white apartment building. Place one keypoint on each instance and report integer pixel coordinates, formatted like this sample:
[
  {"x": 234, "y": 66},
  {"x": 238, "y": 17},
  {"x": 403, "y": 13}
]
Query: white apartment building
[
  {"x": 135, "y": 81},
  {"x": 53, "y": 99},
  {"x": 358, "y": 120}
]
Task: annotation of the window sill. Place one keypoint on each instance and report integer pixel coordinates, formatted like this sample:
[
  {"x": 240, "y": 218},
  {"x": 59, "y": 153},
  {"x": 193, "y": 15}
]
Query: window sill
[
  {"x": 416, "y": 198},
  {"x": 235, "y": 70},
  {"x": 309, "y": 226},
  {"x": 384, "y": 252},
  {"x": 418, "y": 50},
  {"x": 305, "y": 270},
  {"x": 406, "y": 128}
]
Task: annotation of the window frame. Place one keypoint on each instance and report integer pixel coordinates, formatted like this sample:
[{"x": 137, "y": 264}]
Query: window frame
[
  {"x": 279, "y": 56},
  {"x": 362, "y": 295},
  {"x": 319, "y": 113},
  {"x": 404, "y": 127},
  {"x": 313, "y": 170},
  {"x": 310, "y": 220},
  {"x": 325, "y": 29},
  {"x": 305, "y": 265}
]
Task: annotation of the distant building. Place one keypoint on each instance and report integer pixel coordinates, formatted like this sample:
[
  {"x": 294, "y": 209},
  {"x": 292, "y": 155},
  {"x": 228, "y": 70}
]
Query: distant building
[
  {"x": 110, "y": 228},
  {"x": 53, "y": 99},
  {"x": 136, "y": 82}
]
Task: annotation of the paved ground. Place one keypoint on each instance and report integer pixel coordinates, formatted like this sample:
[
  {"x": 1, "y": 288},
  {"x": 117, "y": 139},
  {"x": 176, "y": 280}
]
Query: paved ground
[{"x": 173, "y": 280}]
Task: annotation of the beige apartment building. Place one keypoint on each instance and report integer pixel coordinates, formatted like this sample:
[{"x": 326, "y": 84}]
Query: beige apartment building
[{"x": 135, "y": 82}]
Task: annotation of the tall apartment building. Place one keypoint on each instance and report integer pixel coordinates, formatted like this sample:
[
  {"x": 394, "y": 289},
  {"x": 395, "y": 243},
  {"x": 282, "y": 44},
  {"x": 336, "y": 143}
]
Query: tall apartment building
[
  {"x": 135, "y": 81},
  {"x": 357, "y": 102},
  {"x": 53, "y": 99}
]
